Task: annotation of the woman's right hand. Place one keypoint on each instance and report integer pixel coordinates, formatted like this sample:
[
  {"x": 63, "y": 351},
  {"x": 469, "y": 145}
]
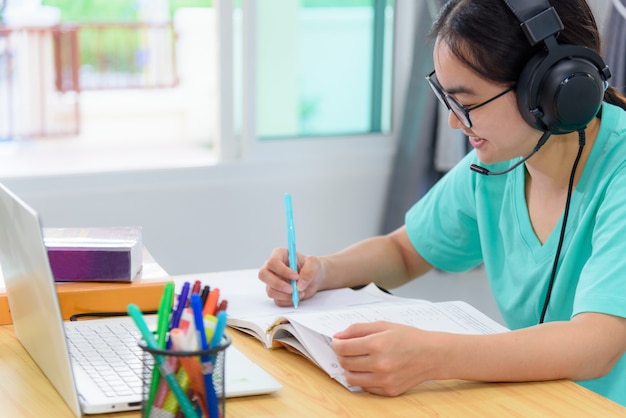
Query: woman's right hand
[{"x": 277, "y": 276}]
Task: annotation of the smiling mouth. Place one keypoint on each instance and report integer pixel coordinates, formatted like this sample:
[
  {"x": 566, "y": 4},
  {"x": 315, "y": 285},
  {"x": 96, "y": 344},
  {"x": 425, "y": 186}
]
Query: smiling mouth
[{"x": 476, "y": 141}]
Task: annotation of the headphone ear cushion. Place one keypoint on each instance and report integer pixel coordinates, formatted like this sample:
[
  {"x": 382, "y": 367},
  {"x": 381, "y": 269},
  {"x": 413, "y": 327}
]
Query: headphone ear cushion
[
  {"x": 526, "y": 92},
  {"x": 559, "y": 91}
]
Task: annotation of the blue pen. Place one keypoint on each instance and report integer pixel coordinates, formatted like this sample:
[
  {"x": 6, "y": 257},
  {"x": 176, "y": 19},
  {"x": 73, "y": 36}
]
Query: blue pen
[
  {"x": 178, "y": 311},
  {"x": 207, "y": 367},
  {"x": 135, "y": 313},
  {"x": 220, "y": 327},
  {"x": 291, "y": 247}
]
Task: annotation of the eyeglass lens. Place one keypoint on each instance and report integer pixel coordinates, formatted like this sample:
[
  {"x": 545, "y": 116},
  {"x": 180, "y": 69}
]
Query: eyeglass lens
[{"x": 459, "y": 111}]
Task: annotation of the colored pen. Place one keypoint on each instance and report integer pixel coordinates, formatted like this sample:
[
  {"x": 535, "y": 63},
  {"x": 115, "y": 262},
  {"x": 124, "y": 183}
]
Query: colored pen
[
  {"x": 187, "y": 324},
  {"x": 222, "y": 306},
  {"x": 218, "y": 333},
  {"x": 211, "y": 303},
  {"x": 170, "y": 403},
  {"x": 164, "y": 312},
  {"x": 207, "y": 367},
  {"x": 163, "y": 315},
  {"x": 180, "y": 305},
  {"x": 160, "y": 396},
  {"x": 210, "y": 323},
  {"x": 197, "y": 287},
  {"x": 191, "y": 366},
  {"x": 205, "y": 293},
  {"x": 166, "y": 372},
  {"x": 220, "y": 327},
  {"x": 291, "y": 247}
]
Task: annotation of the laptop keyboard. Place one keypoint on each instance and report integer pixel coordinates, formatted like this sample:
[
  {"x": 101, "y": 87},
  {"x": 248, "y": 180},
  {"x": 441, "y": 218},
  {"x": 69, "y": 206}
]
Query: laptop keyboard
[{"x": 109, "y": 354}]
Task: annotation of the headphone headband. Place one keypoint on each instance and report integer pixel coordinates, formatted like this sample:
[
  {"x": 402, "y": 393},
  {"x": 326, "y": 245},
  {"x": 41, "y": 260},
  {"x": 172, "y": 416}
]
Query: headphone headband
[{"x": 537, "y": 19}]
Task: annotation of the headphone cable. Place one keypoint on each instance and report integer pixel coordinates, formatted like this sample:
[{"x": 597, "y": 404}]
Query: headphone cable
[{"x": 581, "y": 143}]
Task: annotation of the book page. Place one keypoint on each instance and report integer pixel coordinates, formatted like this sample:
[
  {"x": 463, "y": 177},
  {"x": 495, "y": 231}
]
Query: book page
[
  {"x": 456, "y": 317},
  {"x": 315, "y": 330},
  {"x": 316, "y": 347},
  {"x": 250, "y": 308}
]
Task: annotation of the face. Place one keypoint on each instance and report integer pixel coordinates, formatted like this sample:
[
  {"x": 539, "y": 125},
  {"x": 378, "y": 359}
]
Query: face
[{"x": 498, "y": 132}]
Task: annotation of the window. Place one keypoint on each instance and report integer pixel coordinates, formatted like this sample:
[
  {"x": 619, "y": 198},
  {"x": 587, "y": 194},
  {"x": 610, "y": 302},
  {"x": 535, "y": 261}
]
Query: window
[
  {"x": 106, "y": 71},
  {"x": 146, "y": 72},
  {"x": 323, "y": 68},
  {"x": 314, "y": 70}
]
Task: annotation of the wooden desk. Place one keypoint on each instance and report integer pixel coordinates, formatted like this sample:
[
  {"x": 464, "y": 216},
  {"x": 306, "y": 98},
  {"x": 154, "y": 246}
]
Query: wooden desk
[{"x": 309, "y": 392}]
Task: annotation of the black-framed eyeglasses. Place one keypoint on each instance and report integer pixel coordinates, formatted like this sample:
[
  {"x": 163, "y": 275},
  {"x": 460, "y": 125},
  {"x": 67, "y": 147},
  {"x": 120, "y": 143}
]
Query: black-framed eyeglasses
[{"x": 459, "y": 110}]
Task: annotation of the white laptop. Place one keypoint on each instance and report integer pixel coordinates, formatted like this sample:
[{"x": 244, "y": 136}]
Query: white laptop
[{"x": 41, "y": 330}]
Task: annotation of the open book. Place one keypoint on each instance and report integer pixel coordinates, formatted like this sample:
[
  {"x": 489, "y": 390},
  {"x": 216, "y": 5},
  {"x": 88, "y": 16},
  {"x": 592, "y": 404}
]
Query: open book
[{"x": 308, "y": 330}]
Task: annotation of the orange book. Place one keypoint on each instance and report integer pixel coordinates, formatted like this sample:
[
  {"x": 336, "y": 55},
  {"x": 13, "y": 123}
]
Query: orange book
[{"x": 92, "y": 297}]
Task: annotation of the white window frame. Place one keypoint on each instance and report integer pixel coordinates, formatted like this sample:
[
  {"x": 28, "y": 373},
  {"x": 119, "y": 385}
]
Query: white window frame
[{"x": 229, "y": 147}]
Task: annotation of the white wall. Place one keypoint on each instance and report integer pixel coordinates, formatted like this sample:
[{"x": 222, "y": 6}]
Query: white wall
[{"x": 221, "y": 217}]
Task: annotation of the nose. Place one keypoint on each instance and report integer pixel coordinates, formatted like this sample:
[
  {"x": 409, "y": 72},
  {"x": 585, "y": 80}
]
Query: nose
[{"x": 453, "y": 121}]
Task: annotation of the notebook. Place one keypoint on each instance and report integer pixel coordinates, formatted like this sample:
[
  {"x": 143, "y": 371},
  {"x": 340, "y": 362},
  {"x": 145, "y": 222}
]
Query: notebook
[{"x": 48, "y": 339}]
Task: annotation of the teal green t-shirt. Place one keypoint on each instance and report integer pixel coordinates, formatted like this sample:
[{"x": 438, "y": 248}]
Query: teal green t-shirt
[{"x": 468, "y": 218}]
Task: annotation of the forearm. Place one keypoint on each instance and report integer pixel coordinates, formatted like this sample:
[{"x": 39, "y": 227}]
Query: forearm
[
  {"x": 388, "y": 261},
  {"x": 581, "y": 349}
]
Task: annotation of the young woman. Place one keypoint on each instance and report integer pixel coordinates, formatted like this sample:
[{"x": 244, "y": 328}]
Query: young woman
[{"x": 550, "y": 232}]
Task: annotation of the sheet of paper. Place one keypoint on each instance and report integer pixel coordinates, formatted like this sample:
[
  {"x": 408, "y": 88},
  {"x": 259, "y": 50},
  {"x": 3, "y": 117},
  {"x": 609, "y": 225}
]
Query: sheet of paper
[
  {"x": 248, "y": 300},
  {"x": 456, "y": 317},
  {"x": 315, "y": 330}
]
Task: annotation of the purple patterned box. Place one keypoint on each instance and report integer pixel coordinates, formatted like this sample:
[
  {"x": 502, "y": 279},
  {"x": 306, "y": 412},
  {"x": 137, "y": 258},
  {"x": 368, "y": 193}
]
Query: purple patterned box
[{"x": 94, "y": 254}]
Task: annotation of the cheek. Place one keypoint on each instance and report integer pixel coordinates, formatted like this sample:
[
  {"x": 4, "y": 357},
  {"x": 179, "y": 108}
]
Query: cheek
[
  {"x": 503, "y": 116},
  {"x": 511, "y": 113},
  {"x": 506, "y": 130}
]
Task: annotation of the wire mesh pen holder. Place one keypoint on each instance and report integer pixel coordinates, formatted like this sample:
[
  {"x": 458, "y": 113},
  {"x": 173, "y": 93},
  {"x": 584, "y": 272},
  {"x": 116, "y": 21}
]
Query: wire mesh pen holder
[{"x": 195, "y": 386}]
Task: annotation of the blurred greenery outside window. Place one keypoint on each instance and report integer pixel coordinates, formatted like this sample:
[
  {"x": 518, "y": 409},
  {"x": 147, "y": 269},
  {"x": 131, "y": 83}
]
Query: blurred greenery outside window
[{"x": 323, "y": 66}]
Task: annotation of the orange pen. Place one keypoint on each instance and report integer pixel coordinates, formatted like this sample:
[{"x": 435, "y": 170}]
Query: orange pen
[{"x": 210, "y": 307}]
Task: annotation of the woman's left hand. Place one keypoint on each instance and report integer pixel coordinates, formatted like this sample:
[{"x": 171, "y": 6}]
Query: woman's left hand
[{"x": 385, "y": 358}]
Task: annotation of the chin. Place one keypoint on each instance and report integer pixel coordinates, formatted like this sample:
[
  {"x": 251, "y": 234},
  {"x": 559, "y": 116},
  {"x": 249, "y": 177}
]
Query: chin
[{"x": 487, "y": 159}]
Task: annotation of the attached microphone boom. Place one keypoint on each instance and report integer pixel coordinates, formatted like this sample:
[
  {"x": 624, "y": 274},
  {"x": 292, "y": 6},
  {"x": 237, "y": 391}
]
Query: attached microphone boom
[{"x": 482, "y": 170}]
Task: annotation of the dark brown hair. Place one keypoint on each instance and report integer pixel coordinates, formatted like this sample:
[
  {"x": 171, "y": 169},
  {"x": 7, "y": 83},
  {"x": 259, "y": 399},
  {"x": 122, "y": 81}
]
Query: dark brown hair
[{"x": 486, "y": 36}]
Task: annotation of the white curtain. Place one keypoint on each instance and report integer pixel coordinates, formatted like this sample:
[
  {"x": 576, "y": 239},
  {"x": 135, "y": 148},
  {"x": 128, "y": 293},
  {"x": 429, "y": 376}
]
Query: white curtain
[
  {"x": 413, "y": 171},
  {"x": 427, "y": 146}
]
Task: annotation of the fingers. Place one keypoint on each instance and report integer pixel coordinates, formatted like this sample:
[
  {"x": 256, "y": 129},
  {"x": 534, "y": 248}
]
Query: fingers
[
  {"x": 276, "y": 272},
  {"x": 378, "y": 384},
  {"x": 361, "y": 330},
  {"x": 378, "y": 357},
  {"x": 282, "y": 297},
  {"x": 357, "y": 344},
  {"x": 277, "y": 276},
  {"x": 307, "y": 273}
]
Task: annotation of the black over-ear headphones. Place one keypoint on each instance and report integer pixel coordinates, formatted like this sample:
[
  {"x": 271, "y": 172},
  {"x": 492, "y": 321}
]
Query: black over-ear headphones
[{"x": 561, "y": 87}]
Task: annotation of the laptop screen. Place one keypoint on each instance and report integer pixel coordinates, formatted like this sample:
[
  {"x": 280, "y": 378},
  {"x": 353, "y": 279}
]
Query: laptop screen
[{"x": 32, "y": 294}]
